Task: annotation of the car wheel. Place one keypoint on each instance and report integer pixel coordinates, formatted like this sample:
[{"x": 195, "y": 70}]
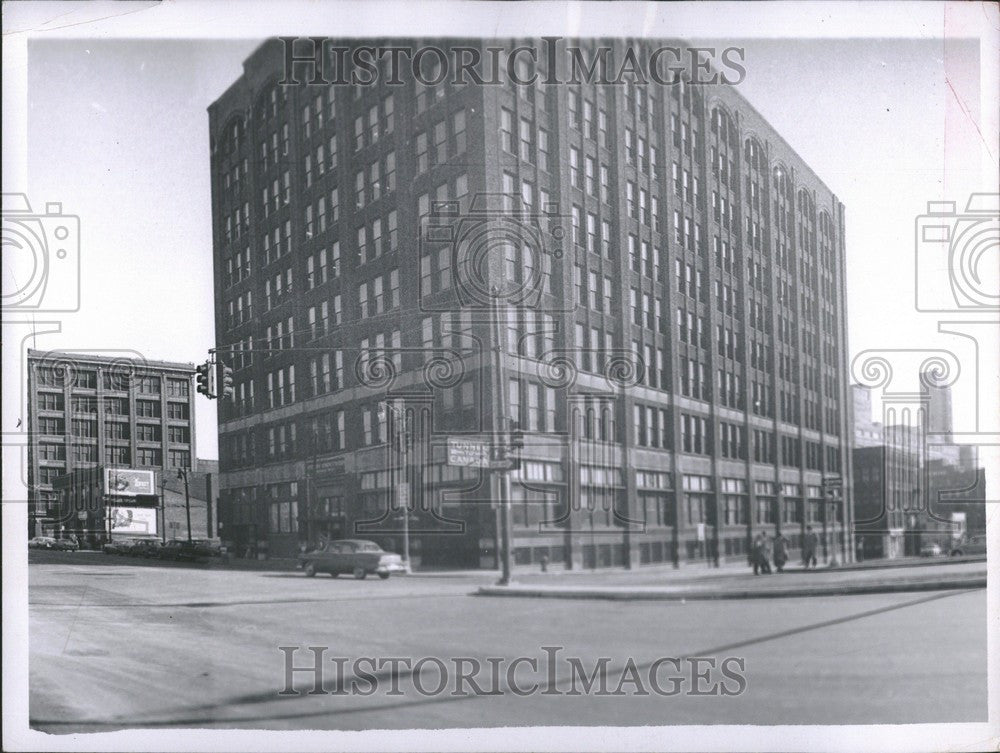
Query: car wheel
[
  {"x": 334, "y": 573},
  {"x": 310, "y": 570},
  {"x": 384, "y": 576},
  {"x": 957, "y": 553},
  {"x": 360, "y": 573}
]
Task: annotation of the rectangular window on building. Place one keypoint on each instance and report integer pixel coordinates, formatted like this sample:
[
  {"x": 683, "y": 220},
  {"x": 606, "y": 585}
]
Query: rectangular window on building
[{"x": 507, "y": 130}]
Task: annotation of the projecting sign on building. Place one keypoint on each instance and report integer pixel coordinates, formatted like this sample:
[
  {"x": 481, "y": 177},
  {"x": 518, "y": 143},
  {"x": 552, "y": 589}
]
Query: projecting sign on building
[
  {"x": 476, "y": 453},
  {"x": 468, "y": 452}
]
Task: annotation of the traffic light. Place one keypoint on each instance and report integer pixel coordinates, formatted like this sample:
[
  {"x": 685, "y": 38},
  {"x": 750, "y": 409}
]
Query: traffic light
[
  {"x": 516, "y": 443},
  {"x": 225, "y": 382},
  {"x": 205, "y": 378}
]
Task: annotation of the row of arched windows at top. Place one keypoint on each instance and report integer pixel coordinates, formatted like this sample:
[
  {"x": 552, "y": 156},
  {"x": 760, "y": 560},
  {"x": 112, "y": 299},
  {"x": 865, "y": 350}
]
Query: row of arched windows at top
[
  {"x": 755, "y": 157},
  {"x": 270, "y": 102}
]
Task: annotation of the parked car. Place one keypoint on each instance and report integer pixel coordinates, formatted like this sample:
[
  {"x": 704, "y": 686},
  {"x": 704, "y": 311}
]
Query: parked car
[
  {"x": 172, "y": 550},
  {"x": 146, "y": 548},
  {"x": 119, "y": 546},
  {"x": 931, "y": 550},
  {"x": 182, "y": 549},
  {"x": 208, "y": 547},
  {"x": 356, "y": 556},
  {"x": 50, "y": 542},
  {"x": 971, "y": 545}
]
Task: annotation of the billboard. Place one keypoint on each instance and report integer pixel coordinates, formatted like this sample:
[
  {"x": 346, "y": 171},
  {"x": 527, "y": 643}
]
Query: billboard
[
  {"x": 128, "y": 482},
  {"x": 133, "y": 521}
]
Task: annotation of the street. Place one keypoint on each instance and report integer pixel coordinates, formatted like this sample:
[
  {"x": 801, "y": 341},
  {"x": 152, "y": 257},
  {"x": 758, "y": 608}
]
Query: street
[{"x": 116, "y": 644}]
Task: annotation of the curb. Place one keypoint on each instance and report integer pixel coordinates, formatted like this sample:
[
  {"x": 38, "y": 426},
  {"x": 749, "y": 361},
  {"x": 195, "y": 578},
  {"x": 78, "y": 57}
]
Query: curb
[{"x": 612, "y": 594}]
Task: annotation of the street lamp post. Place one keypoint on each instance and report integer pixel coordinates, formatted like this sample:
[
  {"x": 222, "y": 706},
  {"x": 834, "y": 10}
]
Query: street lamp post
[
  {"x": 404, "y": 452},
  {"x": 501, "y": 436},
  {"x": 402, "y": 436}
]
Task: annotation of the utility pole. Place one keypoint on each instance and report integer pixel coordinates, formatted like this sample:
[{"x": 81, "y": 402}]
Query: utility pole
[
  {"x": 501, "y": 438},
  {"x": 163, "y": 507},
  {"x": 183, "y": 473}
]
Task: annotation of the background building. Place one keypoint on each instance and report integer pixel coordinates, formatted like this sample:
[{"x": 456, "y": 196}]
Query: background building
[
  {"x": 912, "y": 485},
  {"x": 671, "y": 316},
  {"x": 886, "y": 488},
  {"x": 100, "y": 503},
  {"x": 867, "y": 432},
  {"x": 938, "y": 400},
  {"x": 86, "y": 411}
]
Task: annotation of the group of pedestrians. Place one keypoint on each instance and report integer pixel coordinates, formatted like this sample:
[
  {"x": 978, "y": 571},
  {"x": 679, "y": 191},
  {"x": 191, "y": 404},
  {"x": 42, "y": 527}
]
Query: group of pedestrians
[{"x": 766, "y": 550}]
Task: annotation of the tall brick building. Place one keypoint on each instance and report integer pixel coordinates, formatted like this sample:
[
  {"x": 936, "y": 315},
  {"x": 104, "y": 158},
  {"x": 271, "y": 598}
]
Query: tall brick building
[
  {"x": 659, "y": 275},
  {"x": 87, "y": 410}
]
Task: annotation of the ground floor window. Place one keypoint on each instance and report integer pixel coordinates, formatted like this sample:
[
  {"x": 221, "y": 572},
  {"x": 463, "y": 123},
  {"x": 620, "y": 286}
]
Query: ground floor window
[
  {"x": 531, "y": 508},
  {"x": 734, "y": 509},
  {"x": 657, "y": 509},
  {"x": 695, "y": 506},
  {"x": 598, "y": 504},
  {"x": 284, "y": 517},
  {"x": 735, "y": 546},
  {"x": 655, "y": 551},
  {"x": 765, "y": 510},
  {"x": 791, "y": 512}
]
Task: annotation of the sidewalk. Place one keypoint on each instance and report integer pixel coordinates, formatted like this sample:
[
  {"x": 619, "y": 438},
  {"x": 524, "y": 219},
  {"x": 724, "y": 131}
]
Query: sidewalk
[
  {"x": 730, "y": 583},
  {"x": 688, "y": 571}
]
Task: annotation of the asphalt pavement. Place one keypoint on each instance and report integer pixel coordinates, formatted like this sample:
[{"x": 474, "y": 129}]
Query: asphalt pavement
[{"x": 120, "y": 645}]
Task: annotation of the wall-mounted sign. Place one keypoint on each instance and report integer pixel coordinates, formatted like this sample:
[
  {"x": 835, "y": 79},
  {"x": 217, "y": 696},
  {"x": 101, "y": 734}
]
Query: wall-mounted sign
[
  {"x": 329, "y": 466},
  {"x": 133, "y": 520},
  {"x": 128, "y": 482}
]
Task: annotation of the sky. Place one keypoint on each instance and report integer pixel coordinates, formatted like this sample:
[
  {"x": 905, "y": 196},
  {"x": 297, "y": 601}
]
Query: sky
[{"x": 118, "y": 132}]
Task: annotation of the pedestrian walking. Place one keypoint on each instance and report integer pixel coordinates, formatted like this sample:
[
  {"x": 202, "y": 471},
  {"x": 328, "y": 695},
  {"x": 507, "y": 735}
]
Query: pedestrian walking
[
  {"x": 809, "y": 544},
  {"x": 756, "y": 548},
  {"x": 780, "y": 547},
  {"x": 759, "y": 555}
]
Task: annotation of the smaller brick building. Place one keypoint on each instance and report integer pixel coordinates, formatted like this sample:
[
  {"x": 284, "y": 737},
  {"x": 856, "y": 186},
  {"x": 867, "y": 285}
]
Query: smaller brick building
[{"x": 104, "y": 503}]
